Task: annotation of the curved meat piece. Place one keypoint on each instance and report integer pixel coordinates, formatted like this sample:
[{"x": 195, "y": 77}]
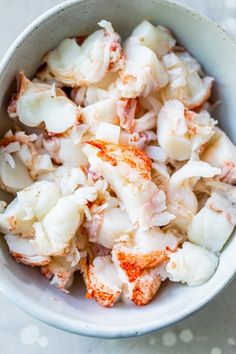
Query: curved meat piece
[
  {"x": 22, "y": 251},
  {"x": 128, "y": 170},
  {"x": 102, "y": 281}
]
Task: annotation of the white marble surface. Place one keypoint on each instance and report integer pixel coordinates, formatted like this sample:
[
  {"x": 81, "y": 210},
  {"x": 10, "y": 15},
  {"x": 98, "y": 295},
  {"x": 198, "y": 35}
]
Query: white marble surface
[{"x": 212, "y": 330}]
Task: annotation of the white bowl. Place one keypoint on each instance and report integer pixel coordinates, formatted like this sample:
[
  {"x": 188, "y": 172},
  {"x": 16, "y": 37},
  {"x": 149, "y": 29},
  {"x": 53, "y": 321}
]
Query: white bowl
[{"x": 217, "y": 52}]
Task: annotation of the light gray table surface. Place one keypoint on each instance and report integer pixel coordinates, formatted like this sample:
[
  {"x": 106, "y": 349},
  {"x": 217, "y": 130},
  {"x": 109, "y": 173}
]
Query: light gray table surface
[{"x": 212, "y": 330}]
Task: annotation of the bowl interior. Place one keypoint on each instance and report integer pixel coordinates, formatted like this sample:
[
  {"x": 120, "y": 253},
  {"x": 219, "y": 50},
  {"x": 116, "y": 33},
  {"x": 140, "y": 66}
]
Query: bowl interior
[{"x": 216, "y": 52}]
